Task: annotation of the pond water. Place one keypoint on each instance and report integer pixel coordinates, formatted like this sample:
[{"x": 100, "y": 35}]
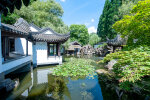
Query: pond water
[{"x": 39, "y": 84}]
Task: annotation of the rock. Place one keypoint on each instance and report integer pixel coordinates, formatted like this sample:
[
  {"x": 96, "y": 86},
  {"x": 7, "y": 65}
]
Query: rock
[
  {"x": 101, "y": 71},
  {"x": 110, "y": 64},
  {"x": 102, "y": 51},
  {"x": 87, "y": 50},
  {"x": 8, "y": 84}
]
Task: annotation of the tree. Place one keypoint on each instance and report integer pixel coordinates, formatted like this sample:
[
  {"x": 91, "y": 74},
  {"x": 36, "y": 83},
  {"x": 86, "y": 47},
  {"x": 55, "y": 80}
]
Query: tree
[
  {"x": 93, "y": 39},
  {"x": 79, "y": 33},
  {"x": 126, "y": 8},
  {"x": 9, "y": 5},
  {"x": 108, "y": 18},
  {"x": 136, "y": 25},
  {"x": 43, "y": 13}
]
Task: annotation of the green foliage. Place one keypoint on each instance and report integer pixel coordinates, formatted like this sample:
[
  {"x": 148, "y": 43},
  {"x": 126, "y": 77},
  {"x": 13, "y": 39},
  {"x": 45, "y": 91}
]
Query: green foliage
[
  {"x": 10, "y": 5},
  {"x": 79, "y": 33},
  {"x": 137, "y": 25},
  {"x": 126, "y": 8},
  {"x": 75, "y": 67},
  {"x": 131, "y": 65},
  {"x": 43, "y": 13},
  {"x": 93, "y": 39},
  {"x": 108, "y": 18},
  {"x": 103, "y": 45},
  {"x": 67, "y": 43}
]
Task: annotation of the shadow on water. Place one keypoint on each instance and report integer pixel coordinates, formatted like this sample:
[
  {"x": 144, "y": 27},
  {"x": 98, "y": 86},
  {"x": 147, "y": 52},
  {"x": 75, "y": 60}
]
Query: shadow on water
[{"x": 39, "y": 84}]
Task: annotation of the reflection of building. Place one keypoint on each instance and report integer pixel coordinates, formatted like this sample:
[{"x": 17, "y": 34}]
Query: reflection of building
[
  {"x": 32, "y": 81},
  {"x": 74, "y": 48}
]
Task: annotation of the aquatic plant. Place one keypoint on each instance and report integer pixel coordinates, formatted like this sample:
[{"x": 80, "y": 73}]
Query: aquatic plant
[{"x": 75, "y": 68}]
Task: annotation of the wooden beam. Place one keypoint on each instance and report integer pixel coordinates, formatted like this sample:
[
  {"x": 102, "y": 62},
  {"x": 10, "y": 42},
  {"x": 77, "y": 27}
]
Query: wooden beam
[{"x": 11, "y": 34}]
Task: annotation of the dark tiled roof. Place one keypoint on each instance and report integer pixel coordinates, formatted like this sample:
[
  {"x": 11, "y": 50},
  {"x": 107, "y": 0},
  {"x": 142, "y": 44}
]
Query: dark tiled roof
[
  {"x": 22, "y": 25},
  {"x": 36, "y": 27},
  {"x": 12, "y": 29},
  {"x": 118, "y": 41},
  {"x": 52, "y": 38},
  {"x": 75, "y": 43}
]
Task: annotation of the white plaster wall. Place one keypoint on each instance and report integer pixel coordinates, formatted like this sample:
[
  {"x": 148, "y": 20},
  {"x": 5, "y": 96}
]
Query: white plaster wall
[
  {"x": 13, "y": 64},
  {"x": 20, "y": 46},
  {"x": 33, "y": 29},
  {"x": 41, "y": 53},
  {"x": 30, "y": 48},
  {"x": 48, "y": 32}
]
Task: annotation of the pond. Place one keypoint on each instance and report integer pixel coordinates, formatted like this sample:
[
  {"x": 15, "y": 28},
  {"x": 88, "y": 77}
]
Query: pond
[{"x": 40, "y": 84}]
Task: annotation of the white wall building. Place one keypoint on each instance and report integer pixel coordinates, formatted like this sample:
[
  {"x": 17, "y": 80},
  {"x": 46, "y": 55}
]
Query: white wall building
[
  {"x": 10, "y": 59},
  {"x": 23, "y": 43},
  {"x": 43, "y": 45}
]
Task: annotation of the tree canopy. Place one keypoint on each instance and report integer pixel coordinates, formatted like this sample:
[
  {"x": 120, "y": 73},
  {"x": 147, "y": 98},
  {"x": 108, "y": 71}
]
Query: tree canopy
[
  {"x": 113, "y": 11},
  {"x": 108, "y": 18},
  {"x": 93, "y": 39},
  {"x": 79, "y": 33},
  {"x": 137, "y": 25},
  {"x": 43, "y": 13},
  {"x": 9, "y": 5}
]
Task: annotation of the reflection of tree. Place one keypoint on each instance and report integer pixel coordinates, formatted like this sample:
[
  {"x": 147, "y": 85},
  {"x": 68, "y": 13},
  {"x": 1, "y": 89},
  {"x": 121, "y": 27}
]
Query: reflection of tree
[
  {"x": 77, "y": 77},
  {"x": 86, "y": 95},
  {"x": 57, "y": 87}
]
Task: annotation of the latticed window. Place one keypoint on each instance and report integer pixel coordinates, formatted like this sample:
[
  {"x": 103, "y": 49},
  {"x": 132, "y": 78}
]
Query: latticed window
[{"x": 52, "y": 49}]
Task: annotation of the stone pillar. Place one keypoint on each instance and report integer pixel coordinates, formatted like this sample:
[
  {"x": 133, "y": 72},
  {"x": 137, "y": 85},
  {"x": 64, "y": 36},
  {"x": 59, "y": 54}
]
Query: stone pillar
[{"x": 26, "y": 47}]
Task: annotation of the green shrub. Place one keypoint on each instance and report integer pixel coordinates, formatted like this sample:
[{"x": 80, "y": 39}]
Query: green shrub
[
  {"x": 103, "y": 45},
  {"x": 131, "y": 65}
]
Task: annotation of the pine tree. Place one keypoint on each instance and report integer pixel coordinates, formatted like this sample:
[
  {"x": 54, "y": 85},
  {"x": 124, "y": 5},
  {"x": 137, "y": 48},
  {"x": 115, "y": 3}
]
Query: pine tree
[
  {"x": 107, "y": 19},
  {"x": 103, "y": 25}
]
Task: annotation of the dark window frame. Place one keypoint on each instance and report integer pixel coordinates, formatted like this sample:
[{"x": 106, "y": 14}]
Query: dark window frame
[{"x": 54, "y": 46}]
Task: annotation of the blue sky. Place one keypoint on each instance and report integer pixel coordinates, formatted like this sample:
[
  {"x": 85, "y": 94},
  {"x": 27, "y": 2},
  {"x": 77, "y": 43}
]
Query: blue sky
[{"x": 82, "y": 12}]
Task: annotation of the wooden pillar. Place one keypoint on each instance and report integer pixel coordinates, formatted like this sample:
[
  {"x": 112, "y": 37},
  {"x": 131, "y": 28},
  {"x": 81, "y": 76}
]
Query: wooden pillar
[
  {"x": 26, "y": 47},
  {"x": 34, "y": 56},
  {"x": 59, "y": 53},
  {"x": 7, "y": 46},
  {"x": 57, "y": 49},
  {"x": 0, "y": 47}
]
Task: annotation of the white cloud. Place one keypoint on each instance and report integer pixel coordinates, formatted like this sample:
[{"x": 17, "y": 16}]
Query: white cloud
[
  {"x": 92, "y": 29},
  {"x": 62, "y": 0},
  {"x": 92, "y": 20}
]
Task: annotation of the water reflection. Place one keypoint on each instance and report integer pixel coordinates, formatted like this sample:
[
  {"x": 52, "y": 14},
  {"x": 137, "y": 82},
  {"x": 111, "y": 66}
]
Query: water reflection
[{"x": 39, "y": 84}]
